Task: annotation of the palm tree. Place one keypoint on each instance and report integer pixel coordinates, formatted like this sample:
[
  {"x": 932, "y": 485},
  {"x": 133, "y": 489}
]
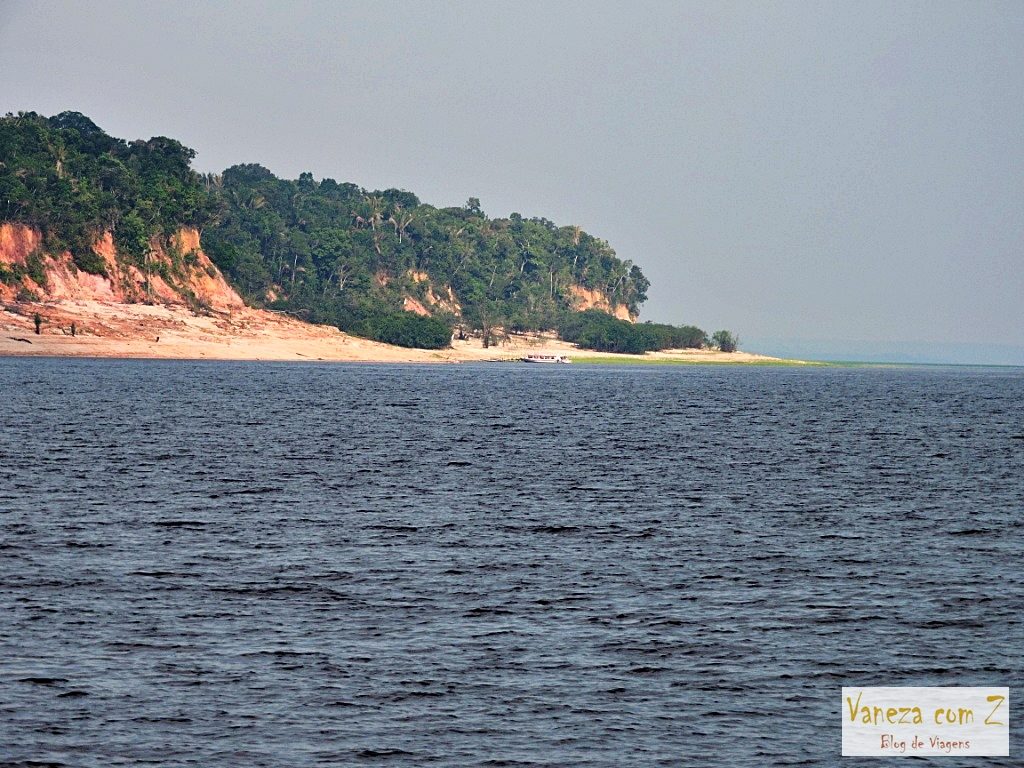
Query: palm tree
[
  {"x": 375, "y": 204},
  {"x": 60, "y": 154},
  {"x": 248, "y": 198},
  {"x": 401, "y": 222}
]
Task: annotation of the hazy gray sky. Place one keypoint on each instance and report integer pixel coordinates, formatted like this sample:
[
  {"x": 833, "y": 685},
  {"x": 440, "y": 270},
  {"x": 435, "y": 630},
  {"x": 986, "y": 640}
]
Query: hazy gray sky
[{"x": 790, "y": 170}]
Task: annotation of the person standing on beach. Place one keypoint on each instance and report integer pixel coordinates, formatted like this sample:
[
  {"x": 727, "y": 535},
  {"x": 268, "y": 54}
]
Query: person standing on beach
[{"x": 39, "y": 323}]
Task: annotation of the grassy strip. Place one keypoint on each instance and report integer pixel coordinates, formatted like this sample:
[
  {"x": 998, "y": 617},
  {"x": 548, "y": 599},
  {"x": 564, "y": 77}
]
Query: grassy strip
[{"x": 631, "y": 360}]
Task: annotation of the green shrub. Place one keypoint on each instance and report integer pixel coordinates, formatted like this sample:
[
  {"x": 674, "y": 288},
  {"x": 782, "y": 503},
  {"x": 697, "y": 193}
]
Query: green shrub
[
  {"x": 660, "y": 336},
  {"x": 600, "y": 331},
  {"x": 132, "y": 238},
  {"x": 406, "y": 329},
  {"x": 89, "y": 261},
  {"x": 35, "y": 268}
]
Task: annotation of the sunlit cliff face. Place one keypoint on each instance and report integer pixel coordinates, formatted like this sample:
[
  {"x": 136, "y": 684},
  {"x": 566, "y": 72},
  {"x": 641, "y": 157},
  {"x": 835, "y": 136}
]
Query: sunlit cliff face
[
  {"x": 586, "y": 298},
  {"x": 176, "y": 272}
]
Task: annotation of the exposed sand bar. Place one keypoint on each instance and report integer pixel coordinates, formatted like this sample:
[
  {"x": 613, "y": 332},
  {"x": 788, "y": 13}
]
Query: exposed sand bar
[{"x": 173, "y": 332}]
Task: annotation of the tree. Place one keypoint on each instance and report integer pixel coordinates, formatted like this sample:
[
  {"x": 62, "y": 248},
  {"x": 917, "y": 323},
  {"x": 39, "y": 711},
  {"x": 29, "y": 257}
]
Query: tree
[
  {"x": 131, "y": 236},
  {"x": 725, "y": 341}
]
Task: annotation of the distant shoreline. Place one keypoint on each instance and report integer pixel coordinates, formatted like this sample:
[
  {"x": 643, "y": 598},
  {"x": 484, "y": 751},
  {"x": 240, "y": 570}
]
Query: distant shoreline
[
  {"x": 131, "y": 331},
  {"x": 169, "y": 332}
]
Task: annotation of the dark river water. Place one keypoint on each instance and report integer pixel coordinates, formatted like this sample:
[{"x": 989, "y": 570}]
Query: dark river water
[{"x": 235, "y": 564}]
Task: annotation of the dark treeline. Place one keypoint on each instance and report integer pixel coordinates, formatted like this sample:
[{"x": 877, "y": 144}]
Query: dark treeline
[
  {"x": 323, "y": 250},
  {"x": 600, "y": 331}
]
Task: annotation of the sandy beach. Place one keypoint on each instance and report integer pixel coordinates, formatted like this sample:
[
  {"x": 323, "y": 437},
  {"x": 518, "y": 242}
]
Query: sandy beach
[{"x": 112, "y": 330}]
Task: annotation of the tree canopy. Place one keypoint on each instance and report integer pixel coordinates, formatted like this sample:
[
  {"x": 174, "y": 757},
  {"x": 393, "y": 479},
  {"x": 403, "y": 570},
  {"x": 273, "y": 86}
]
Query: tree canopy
[
  {"x": 341, "y": 251},
  {"x": 66, "y": 176}
]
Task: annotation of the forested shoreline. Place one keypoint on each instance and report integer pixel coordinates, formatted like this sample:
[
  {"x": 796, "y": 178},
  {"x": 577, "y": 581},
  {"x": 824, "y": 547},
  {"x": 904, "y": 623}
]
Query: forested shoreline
[{"x": 377, "y": 263}]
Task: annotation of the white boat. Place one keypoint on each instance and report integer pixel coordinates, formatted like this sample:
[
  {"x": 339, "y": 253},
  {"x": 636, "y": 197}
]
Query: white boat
[{"x": 546, "y": 359}]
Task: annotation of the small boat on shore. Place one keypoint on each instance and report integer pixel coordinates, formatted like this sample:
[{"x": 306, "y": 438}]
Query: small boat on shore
[{"x": 546, "y": 359}]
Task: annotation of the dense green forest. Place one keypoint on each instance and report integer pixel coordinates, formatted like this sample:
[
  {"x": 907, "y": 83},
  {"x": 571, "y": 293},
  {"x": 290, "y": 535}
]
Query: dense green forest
[
  {"x": 346, "y": 255},
  {"x": 66, "y": 176},
  {"x": 323, "y": 250}
]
